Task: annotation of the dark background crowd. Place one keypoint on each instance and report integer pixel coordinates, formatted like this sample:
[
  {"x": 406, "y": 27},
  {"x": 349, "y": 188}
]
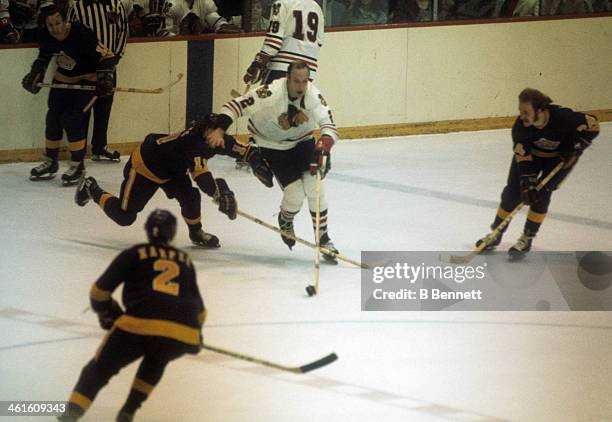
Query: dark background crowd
[{"x": 160, "y": 18}]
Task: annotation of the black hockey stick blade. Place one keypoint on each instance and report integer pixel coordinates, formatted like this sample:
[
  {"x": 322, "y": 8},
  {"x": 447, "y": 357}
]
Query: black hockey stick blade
[
  {"x": 295, "y": 369},
  {"x": 319, "y": 363}
]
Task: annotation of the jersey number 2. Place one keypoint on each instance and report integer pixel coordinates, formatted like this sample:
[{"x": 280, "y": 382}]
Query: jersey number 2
[
  {"x": 163, "y": 282},
  {"x": 313, "y": 25}
]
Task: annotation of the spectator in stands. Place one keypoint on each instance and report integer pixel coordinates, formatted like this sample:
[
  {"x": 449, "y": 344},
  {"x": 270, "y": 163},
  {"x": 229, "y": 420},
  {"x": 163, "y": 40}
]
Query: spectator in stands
[
  {"x": 9, "y": 34},
  {"x": 368, "y": 12},
  {"x": 602, "y": 5},
  {"x": 148, "y": 18},
  {"x": 566, "y": 7},
  {"x": 513, "y": 8},
  {"x": 337, "y": 12},
  {"x": 26, "y": 15},
  {"x": 410, "y": 11},
  {"x": 197, "y": 16},
  {"x": 466, "y": 9},
  {"x": 230, "y": 8}
]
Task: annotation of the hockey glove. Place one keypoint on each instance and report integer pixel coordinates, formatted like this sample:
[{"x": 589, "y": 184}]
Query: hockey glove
[
  {"x": 256, "y": 70},
  {"x": 105, "y": 84},
  {"x": 529, "y": 192},
  {"x": 107, "y": 317},
  {"x": 322, "y": 150},
  {"x": 226, "y": 199},
  {"x": 260, "y": 167},
  {"x": 583, "y": 139},
  {"x": 8, "y": 33},
  {"x": 36, "y": 75}
]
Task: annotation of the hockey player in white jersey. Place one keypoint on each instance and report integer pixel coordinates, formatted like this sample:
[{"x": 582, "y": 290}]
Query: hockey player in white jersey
[
  {"x": 9, "y": 34},
  {"x": 295, "y": 32},
  {"x": 197, "y": 16},
  {"x": 282, "y": 120}
]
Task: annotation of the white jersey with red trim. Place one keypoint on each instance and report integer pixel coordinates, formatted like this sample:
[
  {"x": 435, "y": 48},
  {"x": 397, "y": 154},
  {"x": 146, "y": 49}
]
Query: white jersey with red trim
[
  {"x": 268, "y": 107},
  {"x": 295, "y": 32}
]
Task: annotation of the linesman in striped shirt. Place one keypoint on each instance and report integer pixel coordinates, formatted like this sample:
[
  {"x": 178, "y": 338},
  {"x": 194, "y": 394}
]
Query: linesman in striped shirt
[
  {"x": 295, "y": 33},
  {"x": 108, "y": 20}
]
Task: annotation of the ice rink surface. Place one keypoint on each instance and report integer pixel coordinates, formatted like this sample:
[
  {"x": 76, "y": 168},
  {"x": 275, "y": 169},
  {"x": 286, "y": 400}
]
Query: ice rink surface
[{"x": 434, "y": 192}]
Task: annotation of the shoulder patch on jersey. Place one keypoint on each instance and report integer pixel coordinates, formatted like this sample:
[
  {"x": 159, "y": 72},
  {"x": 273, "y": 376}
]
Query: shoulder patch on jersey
[
  {"x": 263, "y": 91},
  {"x": 519, "y": 149},
  {"x": 322, "y": 100},
  {"x": 276, "y": 8},
  {"x": 592, "y": 123}
]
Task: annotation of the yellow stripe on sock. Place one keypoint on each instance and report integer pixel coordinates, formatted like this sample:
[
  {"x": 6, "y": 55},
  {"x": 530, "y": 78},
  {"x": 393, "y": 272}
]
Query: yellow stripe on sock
[
  {"x": 143, "y": 387},
  {"x": 80, "y": 400},
  {"x": 105, "y": 197},
  {"x": 536, "y": 217},
  {"x": 502, "y": 213}
]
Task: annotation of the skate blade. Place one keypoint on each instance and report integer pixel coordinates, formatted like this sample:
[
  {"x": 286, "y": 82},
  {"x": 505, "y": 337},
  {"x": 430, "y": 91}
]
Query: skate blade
[
  {"x": 205, "y": 246},
  {"x": 42, "y": 178},
  {"x": 105, "y": 160},
  {"x": 68, "y": 183},
  {"x": 330, "y": 260},
  {"x": 516, "y": 256}
]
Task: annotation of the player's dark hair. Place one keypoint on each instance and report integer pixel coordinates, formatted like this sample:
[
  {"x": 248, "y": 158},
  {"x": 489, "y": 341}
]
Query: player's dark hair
[
  {"x": 210, "y": 121},
  {"x": 537, "y": 99},
  {"x": 52, "y": 9},
  {"x": 297, "y": 65},
  {"x": 160, "y": 226}
]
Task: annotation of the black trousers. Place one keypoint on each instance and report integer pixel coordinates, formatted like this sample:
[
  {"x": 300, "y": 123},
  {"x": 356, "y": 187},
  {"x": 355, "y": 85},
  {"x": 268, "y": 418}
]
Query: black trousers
[
  {"x": 118, "y": 350},
  {"x": 65, "y": 113},
  {"x": 137, "y": 190},
  {"x": 511, "y": 195},
  {"x": 101, "y": 117},
  {"x": 289, "y": 165}
]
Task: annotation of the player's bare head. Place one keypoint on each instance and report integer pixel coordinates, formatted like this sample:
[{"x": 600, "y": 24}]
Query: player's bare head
[
  {"x": 205, "y": 125},
  {"x": 297, "y": 79},
  {"x": 161, "y": 226},
  {"x": 55, "y": 20},
  {"x": 532, "y": 106}
]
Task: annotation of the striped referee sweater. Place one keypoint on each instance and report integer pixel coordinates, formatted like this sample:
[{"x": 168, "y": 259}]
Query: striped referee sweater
[{"x": 106, "y": 18}]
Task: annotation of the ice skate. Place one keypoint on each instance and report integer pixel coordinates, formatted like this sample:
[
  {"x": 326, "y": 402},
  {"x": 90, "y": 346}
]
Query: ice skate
[
  {"x": 492, "y": 241},
  {"x": 521, "y": 247},
  {"x": 106, "y": 154},
  {"x": 286, "y": 226},
  {"x": 326, "y": 243},
  {"x": 73, "y": 174},
  {"x": 46, "y": 170},
  {"x": 203, "y": 239}
]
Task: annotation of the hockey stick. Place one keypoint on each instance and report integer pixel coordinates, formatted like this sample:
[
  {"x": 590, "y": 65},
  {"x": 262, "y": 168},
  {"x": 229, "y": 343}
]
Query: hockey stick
[
  {"x": 295, "y": 369},
  {"x": 300, "y": 240},
  {"x": 464, "y": 259},
  {"x": 317, "y": 264},
  {"x": 117, "y": 89},
  {"x": 90, "y": 104},
  {"x": 235, "y": 94}
]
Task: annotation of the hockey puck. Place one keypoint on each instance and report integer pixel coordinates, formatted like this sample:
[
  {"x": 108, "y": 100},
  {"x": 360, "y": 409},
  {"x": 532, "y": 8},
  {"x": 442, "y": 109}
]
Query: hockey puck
[{"x": 311, "y": 290}]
